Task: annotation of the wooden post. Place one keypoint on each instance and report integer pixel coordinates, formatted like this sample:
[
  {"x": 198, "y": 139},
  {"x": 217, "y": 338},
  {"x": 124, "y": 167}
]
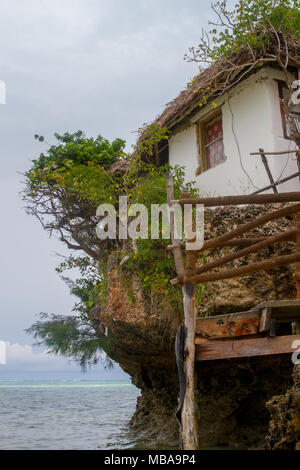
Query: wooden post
[
  {"x": 297, "y": 273},
  {"x": 189, "y": 427},
  {"x": 188, "y": 419},
  {"x": 179, "y": 265},
  {"x": 266, "y": 165},
  {"x": 188, "y": 433}
]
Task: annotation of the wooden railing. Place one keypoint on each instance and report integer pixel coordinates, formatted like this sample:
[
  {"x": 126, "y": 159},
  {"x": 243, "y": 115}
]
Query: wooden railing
[{"x": 189, "y": 274}]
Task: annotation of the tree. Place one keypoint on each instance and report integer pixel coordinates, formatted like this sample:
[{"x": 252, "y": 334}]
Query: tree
[
  {"x": 63, "y": 189},
  {"x": 263, "y": 31}
]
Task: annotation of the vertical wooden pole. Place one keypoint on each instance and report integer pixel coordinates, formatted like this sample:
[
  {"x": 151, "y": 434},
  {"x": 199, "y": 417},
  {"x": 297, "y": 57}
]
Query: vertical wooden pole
[
  {"x": 179, "y": 265},
  {"x": 188, "y": 419},
  {"x": 266, "y": 165},
  {"x": 297, "y": 273},
  {"x": 188, "y": 428}
]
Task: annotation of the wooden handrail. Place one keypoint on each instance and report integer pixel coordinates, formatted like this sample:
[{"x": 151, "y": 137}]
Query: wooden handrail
[
  {"x": 244, "y": 270},
  {"x": 284, "y": 236},
  {"x": 221, "y": 241},
  {"x": 240, "y": 200}
]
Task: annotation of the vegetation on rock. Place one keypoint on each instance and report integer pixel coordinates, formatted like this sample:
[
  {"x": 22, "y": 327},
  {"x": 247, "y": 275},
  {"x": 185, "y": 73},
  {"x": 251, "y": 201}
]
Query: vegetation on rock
[{"x": 64, "y": 187}]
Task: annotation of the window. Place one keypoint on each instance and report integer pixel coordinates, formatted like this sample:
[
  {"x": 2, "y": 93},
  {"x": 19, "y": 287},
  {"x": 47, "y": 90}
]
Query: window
[
  {"x": 212, "y": 146},
  {"x": 284, "y": 94}
]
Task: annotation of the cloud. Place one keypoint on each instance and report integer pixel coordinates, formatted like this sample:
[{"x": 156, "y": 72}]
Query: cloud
[
  {"x": 103, "y": 66},
  {"x": 23, "y": 358},
  {"x": 23, "y": 363}
]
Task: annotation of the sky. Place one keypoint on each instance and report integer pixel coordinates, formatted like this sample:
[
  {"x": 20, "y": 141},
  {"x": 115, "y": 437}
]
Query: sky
[{"x": 103, "y": 66}]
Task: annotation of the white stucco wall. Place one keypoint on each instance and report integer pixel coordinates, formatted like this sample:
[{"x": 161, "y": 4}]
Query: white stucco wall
[{"x": 251, "y": 120}]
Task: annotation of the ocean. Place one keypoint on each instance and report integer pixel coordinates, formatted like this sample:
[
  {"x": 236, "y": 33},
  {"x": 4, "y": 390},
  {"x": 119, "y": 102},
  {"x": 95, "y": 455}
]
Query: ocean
[{"x": 67, "y": 415}]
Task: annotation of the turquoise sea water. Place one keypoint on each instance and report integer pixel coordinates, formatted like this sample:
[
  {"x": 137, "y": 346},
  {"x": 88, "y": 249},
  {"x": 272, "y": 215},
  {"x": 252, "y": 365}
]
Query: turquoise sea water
[{"x": 67, "y": 415}]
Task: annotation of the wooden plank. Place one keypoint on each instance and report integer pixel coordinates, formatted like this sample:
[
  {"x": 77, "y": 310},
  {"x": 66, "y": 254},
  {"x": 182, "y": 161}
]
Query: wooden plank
[
  {"x": 265, "y": 319},
  {"x": 238, "y": 348},
  {"x": 226, "y": 326},
  {"x": 284, "y": 311}
]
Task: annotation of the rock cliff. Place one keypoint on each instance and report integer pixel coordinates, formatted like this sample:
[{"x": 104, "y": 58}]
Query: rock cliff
[{"x": 235, "y": 399}]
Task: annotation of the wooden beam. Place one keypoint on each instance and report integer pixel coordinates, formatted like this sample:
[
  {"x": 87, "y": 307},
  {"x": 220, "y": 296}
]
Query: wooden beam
[
  {"x": 283, "y": 180},
  {"x": 238, "y": 348},
  {"x": 276, "y": 153},
  {"x": 245, "y": 270},
  {"x": 228, "y": 326},
  {"x": 266, "y": 165},
  {"x": 240, "y": 200}
]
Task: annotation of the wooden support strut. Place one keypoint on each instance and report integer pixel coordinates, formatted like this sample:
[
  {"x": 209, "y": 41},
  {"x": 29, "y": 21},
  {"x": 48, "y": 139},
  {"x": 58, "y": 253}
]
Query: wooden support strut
[
  {"x": 189, "y": 439},
  {"x": 283, "y": 180},
  {"x": 297, "y": 273},
  {"x": 266, "y": 165}
]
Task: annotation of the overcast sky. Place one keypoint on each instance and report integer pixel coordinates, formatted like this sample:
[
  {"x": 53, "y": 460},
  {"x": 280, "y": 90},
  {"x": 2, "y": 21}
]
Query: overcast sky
[{"x": 103, "y": 66}]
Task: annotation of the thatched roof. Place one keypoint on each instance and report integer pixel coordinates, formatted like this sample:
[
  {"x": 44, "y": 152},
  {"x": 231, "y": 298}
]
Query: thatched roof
[
  {"x": 120, "y": 166},
  {"x": 220, "y": 77}
]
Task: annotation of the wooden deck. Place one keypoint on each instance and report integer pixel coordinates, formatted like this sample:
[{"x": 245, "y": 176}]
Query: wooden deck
[{"x": 248, "y": 334}]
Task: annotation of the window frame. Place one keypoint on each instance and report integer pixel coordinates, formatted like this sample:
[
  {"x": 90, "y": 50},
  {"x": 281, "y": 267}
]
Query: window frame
[
  {"x": 281, "y": 85},
  {"x": 202, "y": 142}
]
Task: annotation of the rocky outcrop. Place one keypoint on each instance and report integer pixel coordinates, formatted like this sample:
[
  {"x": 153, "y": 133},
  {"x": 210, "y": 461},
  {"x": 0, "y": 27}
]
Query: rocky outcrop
[
  {"x": 231, "y": 396},
  {"x": 143, "y": 342},
  {"x": 284, "y": 428}
]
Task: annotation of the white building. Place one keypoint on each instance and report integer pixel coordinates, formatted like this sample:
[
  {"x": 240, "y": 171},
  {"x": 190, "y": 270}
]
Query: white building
[{"x": 214, "y": 142}]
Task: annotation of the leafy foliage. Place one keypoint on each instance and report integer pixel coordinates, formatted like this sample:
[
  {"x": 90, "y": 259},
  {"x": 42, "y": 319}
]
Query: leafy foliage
[
  {"x": 247, "y": 24},
  {"x": 149, "y": 135},
  {"x": 64, "y": 187},
  {"x": 69, "y": 336},
  {"x": 265, "y": 31}
]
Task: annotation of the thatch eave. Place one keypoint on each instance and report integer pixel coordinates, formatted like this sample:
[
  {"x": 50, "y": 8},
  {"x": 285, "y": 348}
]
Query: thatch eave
[{"x": 220, "y": 77}]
